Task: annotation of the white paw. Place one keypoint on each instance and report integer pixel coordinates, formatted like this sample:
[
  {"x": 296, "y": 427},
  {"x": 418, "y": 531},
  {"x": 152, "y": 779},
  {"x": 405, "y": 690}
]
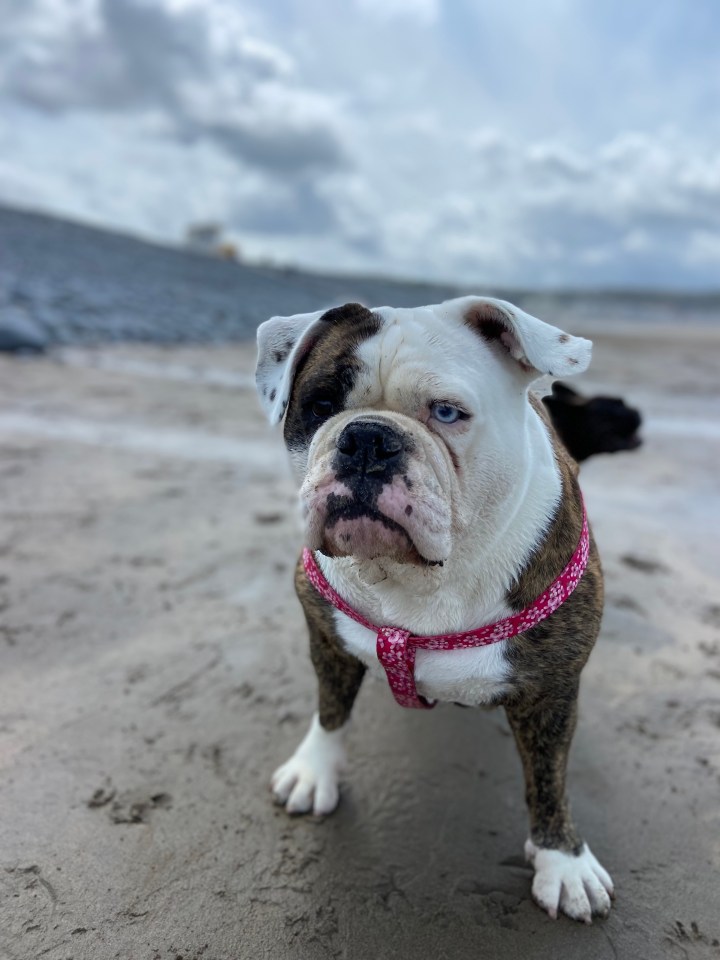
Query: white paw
[
  {"x": 577, "y": 885},
  {"x": 309, "y": 779}
]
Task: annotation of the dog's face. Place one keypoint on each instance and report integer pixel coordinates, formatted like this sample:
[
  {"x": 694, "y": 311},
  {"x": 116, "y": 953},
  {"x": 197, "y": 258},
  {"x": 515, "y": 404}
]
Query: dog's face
[{"x": 406, "y": 426}]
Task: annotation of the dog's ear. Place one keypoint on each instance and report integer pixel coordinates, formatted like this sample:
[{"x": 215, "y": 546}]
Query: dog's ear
[
  {"x": 537, "y": 347},
  {"x": 282, "y": 343}
]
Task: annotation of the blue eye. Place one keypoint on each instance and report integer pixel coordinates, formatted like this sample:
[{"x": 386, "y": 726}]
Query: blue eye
[{"x": 447, "y": 413}]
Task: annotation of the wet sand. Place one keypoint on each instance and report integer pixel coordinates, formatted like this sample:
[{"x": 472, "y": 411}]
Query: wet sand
[{"x": 155, "y": 672}]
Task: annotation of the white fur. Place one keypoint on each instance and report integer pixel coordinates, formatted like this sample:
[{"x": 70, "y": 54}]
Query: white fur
[
  {"x": 309, "y": 779},
  {"x": 287, "y": 338},
  {"x": 577, "y": 885},
  {"x": 488, "y": 551},
  {"x": 531, "y": 342}
]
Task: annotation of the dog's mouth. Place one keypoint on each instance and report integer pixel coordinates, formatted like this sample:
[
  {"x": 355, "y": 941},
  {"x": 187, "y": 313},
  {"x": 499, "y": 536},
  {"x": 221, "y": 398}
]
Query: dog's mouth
[
  {"x": 356, "y": 529},
  {"x": 407, "y": 520}
]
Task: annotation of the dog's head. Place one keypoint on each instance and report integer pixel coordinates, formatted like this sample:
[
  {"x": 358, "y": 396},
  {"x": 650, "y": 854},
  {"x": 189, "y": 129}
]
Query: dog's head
[
  {"x": 406, "y": 426},
  {"x": 590, "y": 425}
]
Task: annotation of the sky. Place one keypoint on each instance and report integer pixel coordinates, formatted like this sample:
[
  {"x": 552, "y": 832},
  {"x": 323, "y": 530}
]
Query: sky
[{"x": 533, "y": 143}]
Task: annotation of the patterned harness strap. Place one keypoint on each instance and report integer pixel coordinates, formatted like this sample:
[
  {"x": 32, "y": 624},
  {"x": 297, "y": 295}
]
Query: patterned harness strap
[{"x": 396, "y": 648}]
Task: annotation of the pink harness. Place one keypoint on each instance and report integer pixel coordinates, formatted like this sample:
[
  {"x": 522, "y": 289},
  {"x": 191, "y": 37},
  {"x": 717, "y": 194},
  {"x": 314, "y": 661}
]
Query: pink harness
[{"x": 396, "y": 648}]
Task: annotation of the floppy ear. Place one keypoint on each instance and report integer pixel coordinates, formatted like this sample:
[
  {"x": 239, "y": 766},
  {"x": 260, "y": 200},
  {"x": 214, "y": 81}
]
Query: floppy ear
[
  {"x": 536, "y": 346},
  {"x": 282, "y": 343}
]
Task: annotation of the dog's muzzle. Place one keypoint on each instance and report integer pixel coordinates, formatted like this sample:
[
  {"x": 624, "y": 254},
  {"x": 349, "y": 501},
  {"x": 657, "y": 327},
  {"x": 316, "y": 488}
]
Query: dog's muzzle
[{"x": 372, "y": 493}]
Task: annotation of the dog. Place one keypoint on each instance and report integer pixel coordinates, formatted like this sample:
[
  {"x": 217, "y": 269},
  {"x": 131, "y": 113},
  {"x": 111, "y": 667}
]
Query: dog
[
  {"x": 446, "y": 542},
  {"x": 591, "y": 425}
]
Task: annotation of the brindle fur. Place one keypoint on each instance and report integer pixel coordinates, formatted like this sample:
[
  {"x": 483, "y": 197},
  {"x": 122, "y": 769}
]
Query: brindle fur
[
  {"x": 546, "y": 661},
  {"x": 339, "y": 673},
  {"x": 329, "y": 369}
]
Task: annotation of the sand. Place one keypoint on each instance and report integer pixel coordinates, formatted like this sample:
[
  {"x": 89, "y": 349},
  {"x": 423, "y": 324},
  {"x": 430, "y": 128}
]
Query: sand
[{"x": 155, "y": 672}]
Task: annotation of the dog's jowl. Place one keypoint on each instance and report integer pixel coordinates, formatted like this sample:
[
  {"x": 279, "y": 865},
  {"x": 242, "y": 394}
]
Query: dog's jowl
[{"x": 447, "y": 546}]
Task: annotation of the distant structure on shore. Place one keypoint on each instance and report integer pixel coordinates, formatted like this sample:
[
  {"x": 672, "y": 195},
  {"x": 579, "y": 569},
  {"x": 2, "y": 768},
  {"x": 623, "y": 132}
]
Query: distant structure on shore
[{"x": 207, "y": 239}]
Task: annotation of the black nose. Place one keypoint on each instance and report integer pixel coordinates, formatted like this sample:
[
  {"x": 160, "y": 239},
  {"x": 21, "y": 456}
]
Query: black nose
[{"x": 367, "y": 449}]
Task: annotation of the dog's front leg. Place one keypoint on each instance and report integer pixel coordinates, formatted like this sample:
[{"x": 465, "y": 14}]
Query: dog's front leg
[
  {"x": 567, "y": 875},
  {"x": 309, "y": 780}
]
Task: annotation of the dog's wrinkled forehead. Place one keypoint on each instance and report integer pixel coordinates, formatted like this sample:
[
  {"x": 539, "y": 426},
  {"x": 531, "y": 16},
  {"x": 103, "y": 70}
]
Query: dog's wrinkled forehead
[{"x": 323, "y": 354}]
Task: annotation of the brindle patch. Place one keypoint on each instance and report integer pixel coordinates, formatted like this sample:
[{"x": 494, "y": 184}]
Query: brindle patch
[
  {"x": 339, "y": 673},
  {"x": 329, "y": 370},
  {"x": 547, "y": 661}
]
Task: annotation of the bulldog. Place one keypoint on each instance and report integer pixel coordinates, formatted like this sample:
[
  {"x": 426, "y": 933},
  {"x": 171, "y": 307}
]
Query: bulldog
[{"x": 446, "y": 543}]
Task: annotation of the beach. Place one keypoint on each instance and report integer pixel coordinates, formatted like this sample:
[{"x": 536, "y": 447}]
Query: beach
[{"x": 155, "y": 672}]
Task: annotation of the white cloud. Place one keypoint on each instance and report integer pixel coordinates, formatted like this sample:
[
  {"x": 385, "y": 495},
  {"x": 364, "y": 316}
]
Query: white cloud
[
  {"x": 404, "y": 136},
  {"x": 195, "y": 60},
  {"x": 704, "y": 248}
]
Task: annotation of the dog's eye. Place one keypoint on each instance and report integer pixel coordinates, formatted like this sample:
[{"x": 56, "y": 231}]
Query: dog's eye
[
  {"x": 322, "y": 409},
  {"x": 447, "y": 413}
]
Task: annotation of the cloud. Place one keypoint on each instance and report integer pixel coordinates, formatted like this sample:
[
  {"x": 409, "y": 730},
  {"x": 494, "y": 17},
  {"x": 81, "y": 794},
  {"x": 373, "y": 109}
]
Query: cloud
[
  {"x": 276, "y": 129},
  {"x": 195, "y": 60},
  {"x": 295, "y": 208},
  {"x": 544, "y": 214},
  {"x": 163, "y": 189},
  {"x": 486, "y": 143}
]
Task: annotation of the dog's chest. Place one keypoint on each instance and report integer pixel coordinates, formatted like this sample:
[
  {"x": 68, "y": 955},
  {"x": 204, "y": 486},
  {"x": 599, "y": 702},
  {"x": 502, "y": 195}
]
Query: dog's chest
[{"x": 481, "y": 675}]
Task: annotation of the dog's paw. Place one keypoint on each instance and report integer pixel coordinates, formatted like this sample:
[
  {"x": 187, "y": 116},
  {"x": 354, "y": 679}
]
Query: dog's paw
[
  {"x": 308, "y": 781},
  {"x": 577, "y": 885}
]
